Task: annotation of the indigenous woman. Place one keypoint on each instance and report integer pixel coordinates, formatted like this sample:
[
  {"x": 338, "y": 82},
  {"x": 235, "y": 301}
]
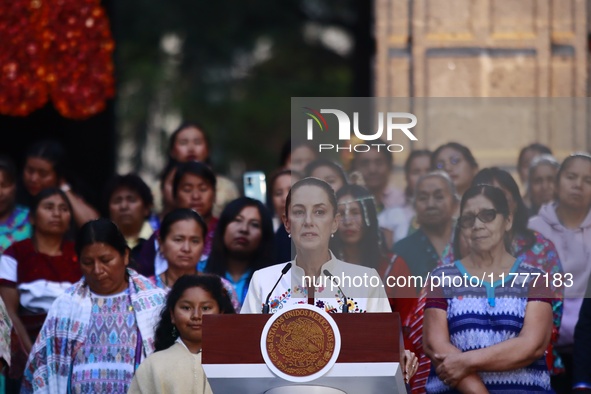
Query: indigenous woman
[
  {"x": 530, "y": 246},
  {"x": 524, "y": 160},
  {"x": 567, "y": 223},
  {"x": 189, "y": 142},
  {"x": 35, "y": 271},
  {"x": 329, "y": 171},
  {"x": 181, "y": 240},
  {"x": 398, "y": 222},
  {"x": 45, "y": 166},
  {"x": 358, "y": 239},
  {"x": 128, "y": 202},
  {"x": 176, "y": 365},
  {"x": 488, "y": 334},
  {"x": 194, "y": 188},
  {"x": 541, "y": 184},
  {"x": 103, "y": 326},
  {"x": 458, "y": 162},
  {"x": 243, "y": 243},
  {"x": 296, "y": 155}
]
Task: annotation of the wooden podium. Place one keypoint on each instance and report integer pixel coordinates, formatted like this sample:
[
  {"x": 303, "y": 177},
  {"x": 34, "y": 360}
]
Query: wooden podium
[{"x": 368, "y": 362}]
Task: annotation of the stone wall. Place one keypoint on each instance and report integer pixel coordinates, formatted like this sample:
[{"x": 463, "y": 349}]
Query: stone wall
[{"x": 490, "y": 48}]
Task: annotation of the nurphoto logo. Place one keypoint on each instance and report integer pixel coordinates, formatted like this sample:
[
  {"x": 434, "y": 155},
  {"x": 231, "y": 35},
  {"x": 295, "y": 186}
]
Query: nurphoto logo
[{"x": 389, "y": 122}]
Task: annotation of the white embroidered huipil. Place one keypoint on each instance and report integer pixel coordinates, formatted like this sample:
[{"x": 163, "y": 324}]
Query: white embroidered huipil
[{"x": 364, "y": 290}]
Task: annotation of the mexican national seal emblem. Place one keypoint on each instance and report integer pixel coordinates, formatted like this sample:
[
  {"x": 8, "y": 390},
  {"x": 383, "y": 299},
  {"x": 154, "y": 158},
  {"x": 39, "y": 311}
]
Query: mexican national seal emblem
[{"x": 300, "y": 343}]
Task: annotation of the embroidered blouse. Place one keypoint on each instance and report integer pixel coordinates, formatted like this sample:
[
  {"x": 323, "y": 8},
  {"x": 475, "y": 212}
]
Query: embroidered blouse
[
  {"x": 479, "y": 316},
  {"x": 361, "y": 295}
]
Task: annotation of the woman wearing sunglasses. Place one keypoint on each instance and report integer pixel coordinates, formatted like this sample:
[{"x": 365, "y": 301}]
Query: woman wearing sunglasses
[{"x": 487, "y": 321}]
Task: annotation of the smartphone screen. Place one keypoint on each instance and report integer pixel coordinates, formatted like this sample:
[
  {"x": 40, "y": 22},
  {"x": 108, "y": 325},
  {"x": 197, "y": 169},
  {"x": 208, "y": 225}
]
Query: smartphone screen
[{"x": 255, "y": 185}]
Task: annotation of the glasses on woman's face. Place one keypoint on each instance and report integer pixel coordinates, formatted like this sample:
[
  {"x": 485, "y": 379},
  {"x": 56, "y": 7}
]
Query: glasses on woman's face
[
  {"x": 454, "y": 160},
  {"x": 485, "y": 216}
]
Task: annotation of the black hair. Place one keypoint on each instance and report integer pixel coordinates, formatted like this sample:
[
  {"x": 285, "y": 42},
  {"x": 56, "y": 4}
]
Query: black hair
[
  {"x": 263, "y": 257},
  {"x": 566, "y": 162},
  {"x": 101, "y": 231},
  {"x": 326, "y": 163},
  {"x": 177, "y": 215},
  {"x": 285, "y": 153},
  {"x": 500, "y": 204},
  {"x": 7, "y": 165},
  {"x": 309, "y": 181},
  {"x": 49, "y": 192},
  {"x": 520, "y": 216},
  {"x": 537, "y": 162},
  {"x": 51, "y": 151},
  {"x": 271, "y": 185},
  {"x": 413, "y": 155},
  {"x": 132, "y": 182},
  {"x": 171, "y": 165},
  {"x": 387, "y": 155},
  {"x": 371, "y": 243},
  {"x": 165, "y": 336},
  {"x": 494, "y": 194},
  {"x": 540, "y": 148},
  {"x": 462, "y": 149},
  {"x": 289, "y": 146},
  {"x": 569, "y": 159},
  {"x": 196, "y": 168},
  {"x": 184, "y": 126}
]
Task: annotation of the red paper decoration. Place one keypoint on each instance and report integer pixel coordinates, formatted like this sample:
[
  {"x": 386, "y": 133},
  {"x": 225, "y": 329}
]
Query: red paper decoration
[{"x": 58, "y": 49}]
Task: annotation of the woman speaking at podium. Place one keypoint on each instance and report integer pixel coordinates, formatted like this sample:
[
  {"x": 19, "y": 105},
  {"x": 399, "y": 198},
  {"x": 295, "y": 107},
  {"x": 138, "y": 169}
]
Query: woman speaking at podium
[{"x": 316, "y": 276}]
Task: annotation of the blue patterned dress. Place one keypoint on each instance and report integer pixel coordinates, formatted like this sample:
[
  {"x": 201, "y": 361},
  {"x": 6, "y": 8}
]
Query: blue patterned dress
[{"x": 485, "y": 315}]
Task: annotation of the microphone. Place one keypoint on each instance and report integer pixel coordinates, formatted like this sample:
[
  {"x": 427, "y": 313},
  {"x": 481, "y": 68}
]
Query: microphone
[
  {"x": 345, "y": 308},
  {"x": 266, "y": 307}
]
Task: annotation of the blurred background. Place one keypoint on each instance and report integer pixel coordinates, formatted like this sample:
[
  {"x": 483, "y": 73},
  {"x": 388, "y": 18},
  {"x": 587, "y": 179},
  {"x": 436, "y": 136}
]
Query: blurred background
[{"x": 233, "y": 67}]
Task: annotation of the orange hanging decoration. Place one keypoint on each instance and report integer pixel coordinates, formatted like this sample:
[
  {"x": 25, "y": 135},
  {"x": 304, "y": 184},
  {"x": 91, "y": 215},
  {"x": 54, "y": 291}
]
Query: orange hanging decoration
[{"x": 58, "y": 49}]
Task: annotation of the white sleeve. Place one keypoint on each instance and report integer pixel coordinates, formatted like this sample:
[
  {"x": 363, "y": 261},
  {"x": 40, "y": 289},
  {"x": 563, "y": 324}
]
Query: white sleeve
[
  {"x": 8, "y": 265},
  {"x": 253, "y": 302},
  {"x": 378, "y": 300}
]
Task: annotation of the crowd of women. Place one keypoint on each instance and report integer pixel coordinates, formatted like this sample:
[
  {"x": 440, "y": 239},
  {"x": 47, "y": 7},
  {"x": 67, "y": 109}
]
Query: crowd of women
[{"x": 111, "y": 298}]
